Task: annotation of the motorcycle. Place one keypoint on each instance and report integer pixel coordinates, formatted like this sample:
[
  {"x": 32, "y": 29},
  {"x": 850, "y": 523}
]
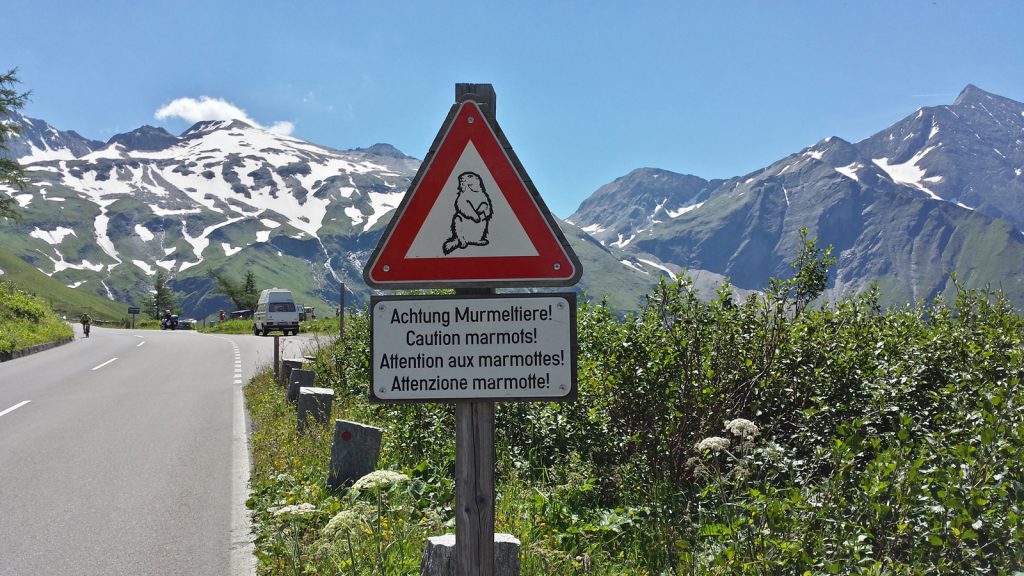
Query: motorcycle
[{"x": 169, "y": 322}]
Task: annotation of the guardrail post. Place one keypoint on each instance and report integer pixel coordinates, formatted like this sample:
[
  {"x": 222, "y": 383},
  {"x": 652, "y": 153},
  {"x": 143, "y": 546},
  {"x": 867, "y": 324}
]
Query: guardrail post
[{"x": 277, "y": 358}]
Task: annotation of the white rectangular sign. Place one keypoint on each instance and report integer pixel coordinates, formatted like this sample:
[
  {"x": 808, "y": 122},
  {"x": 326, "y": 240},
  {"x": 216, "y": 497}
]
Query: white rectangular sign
[{"x": 502, "y": 347}]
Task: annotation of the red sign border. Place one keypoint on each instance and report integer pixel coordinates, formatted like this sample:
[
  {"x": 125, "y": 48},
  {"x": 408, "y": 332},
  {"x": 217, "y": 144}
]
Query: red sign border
[{"x": 555, "y": 264}]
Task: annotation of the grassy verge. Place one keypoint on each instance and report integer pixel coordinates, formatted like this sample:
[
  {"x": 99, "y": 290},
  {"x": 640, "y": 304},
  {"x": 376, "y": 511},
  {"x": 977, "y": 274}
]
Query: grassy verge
[
  {"x": 318, "y": 326},
  {"x": 228, "y": 327},
  {"x": 301, "y": 526},
  {"x": 26, "y": 320}
]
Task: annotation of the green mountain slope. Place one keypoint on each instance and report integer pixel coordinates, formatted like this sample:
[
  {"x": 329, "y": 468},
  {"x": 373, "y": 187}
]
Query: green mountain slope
[{"x": 64, "y": 300}]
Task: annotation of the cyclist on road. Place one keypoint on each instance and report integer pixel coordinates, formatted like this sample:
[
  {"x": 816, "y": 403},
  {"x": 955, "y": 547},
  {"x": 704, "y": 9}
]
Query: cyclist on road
[{"x": 86, "y": 321}]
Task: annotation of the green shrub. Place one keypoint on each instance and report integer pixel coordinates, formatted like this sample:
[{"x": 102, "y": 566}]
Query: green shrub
[{"x": 27, "y": 321}]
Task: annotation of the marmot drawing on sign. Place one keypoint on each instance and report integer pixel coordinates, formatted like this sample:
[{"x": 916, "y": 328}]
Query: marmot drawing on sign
[{"x": 472, "y": 214}]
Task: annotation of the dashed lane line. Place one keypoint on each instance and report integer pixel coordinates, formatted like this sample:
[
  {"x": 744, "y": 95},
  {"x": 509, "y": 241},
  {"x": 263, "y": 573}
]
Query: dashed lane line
[
  {"x": 15, "y": 407},
  {"x": 104, "y": 364}
]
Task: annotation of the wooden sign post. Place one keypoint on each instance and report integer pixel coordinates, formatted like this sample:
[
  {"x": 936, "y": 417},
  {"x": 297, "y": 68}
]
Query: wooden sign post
[
  {"x": 474, "y": 487},
  {"x": 474, "y": 474},
  {"x": 472, "y": 220}
]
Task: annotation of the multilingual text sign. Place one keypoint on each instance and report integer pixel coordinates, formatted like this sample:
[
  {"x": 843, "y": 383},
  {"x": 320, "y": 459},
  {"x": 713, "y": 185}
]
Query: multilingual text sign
[{"x": 502, "y": 347}]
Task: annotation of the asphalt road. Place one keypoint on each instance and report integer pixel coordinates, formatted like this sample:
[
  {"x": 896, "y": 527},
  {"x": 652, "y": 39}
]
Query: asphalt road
[{"x": 125, "y": 453}]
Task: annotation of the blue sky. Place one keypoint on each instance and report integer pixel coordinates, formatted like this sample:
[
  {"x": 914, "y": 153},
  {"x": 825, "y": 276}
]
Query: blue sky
[{"x": 587, "y": 91}]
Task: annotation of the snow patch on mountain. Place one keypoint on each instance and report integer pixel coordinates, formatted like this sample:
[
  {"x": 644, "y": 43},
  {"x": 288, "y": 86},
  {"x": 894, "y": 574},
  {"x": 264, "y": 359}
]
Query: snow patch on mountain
[
  {"x": 202, "y": 241},
  {"x": 112, "y": 152},
  {"x": 45, "y": 154},
  {"x": 143, "y": 233},
  {"x": 623, "y": 242},
  {"x": 683, "y": 210},
  {"x": 633, "y": 266},
  {"x": 52, "y": 237},
  {"x": 60, "y": 265},
  {"x": 102, "y": 238},
  {"x": 381, "y": 203},
  {"x": 179, "y": 212},
  {"x": 144, "y": 267},
  {"x": 230, "y": 250},
  {"x": 23, "y": 200},
  {"x": 850, "y": 170},
  {"x": 661, "y": 267},
  {"x": 909, "y": 173}
]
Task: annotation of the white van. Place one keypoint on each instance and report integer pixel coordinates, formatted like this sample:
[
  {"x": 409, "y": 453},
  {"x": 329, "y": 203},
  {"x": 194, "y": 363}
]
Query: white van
[{"x": 275, "y": 311}]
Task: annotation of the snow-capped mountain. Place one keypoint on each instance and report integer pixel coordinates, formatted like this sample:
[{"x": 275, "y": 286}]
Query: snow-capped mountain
[
  {"x": 40, "y": 141},
  {"x": 113, "y": 213},
  {"x": 939, "y": 191},
  {"x": 222, "y": 196},
  {"x": 655, "y": 196},
  {"x": 970, "y": 153}
]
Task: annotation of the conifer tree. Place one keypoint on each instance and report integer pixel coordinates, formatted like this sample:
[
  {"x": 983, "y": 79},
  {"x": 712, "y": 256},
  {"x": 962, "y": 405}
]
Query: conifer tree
[{"x": 11, "y": 173}]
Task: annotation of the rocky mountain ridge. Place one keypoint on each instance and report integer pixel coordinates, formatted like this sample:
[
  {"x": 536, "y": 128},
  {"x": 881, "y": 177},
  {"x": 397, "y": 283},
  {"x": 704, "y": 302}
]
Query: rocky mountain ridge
[{"x": 939, "y": 191}]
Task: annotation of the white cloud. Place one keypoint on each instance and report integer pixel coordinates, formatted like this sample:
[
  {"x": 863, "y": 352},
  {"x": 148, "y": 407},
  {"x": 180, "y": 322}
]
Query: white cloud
[
  {"x": 283, "y": 127},
  {"x": 205, "y": 108}
]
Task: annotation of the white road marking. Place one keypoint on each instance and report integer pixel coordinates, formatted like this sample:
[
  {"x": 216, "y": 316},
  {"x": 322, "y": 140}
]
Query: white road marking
[
  {"x": 15, "y": 407},
  {"x": 139, "y": 345},
  {"x": 105, "y": 363},
  {"x": 243, "y": 559}
]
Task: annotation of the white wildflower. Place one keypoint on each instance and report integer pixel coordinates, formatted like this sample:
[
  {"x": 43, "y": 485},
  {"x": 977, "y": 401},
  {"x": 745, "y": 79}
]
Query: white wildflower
[
  {"x": 348, "y": 520},
  {"x": 713, "y": 443},
  {"x": 295, "y": 510},
  {"x": 743, "y": 428},
  {"x": 379, "y": 480}
]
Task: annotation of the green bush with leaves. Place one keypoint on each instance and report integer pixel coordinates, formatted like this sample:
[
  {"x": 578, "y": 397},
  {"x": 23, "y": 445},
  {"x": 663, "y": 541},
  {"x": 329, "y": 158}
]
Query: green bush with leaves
[
  {"x": 27, "y": 321},
  {"x": 711, "y": 436}
]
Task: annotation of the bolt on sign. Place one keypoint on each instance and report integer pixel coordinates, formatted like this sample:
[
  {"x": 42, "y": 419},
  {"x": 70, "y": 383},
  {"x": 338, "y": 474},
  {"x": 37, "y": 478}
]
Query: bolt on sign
[{"x": 499, "y": 347}]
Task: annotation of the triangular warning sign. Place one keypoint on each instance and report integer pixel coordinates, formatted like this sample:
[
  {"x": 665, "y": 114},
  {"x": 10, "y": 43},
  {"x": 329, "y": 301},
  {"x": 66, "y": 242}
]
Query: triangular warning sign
[{"x": 471, "y": 218}]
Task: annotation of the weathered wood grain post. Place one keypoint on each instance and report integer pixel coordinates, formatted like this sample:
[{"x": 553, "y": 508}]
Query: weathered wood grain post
[
  {"x": 474, "y": 436},
  {"x": 472, "y": 220}
]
